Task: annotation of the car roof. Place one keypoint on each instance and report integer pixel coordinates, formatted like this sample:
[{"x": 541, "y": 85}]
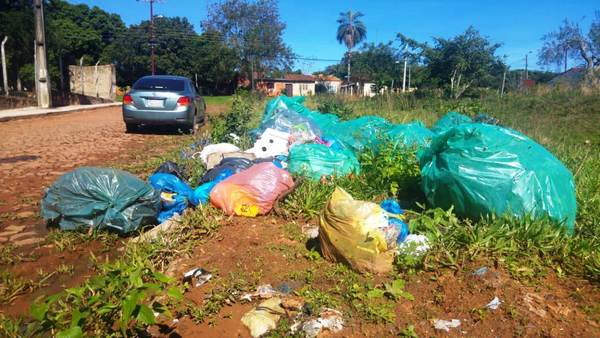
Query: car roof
[{"x": 170, "y": 77}]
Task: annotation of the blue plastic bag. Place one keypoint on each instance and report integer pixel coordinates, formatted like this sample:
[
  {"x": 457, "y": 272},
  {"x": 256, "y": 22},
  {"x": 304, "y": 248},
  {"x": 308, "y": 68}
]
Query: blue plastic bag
[
  {"x": 202, "y": 193},
  {"x": 392, "y": 206},
  {"x": 402, "y": 228},
  {"x": 171, "y": 205},
  {"x": 171, "y": 183}
]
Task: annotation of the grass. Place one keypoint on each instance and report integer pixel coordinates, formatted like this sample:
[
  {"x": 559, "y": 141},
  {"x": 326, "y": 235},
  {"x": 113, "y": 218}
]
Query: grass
[
  {"x": 528, "y": 249},
  {"x": 218, "y": 100}
]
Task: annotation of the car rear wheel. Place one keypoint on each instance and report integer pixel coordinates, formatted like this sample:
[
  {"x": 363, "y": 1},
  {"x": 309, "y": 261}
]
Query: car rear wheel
[{"x": 131, "y": 127}]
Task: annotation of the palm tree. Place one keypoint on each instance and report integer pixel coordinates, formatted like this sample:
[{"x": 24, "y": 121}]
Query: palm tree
[{"x": 351, "y": 31}]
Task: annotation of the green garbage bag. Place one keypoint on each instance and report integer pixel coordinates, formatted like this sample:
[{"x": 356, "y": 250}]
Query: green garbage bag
[
  {"x": 450, "y": 120},
  {"x": 358, "y": 134},
  {"x": 100, "y": 198},
  {"x": 412, "y": 134},
  {"x": 317, "y": 160},
  {"x": 483, "y": 169}
]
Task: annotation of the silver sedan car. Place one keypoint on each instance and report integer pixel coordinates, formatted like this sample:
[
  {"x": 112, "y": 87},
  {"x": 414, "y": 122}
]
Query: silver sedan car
[{"x": 163, "y": 100}]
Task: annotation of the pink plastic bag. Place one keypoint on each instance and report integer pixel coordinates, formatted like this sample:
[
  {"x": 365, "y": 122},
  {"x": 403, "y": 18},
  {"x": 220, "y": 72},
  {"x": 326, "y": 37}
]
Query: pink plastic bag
[{"x": 253, "y": 191}]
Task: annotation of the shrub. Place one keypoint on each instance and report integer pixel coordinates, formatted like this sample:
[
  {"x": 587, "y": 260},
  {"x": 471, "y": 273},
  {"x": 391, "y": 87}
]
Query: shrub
[{"x": 236, "y": 121}]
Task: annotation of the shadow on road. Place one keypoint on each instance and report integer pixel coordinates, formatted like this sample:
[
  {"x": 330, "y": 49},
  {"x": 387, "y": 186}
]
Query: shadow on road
[{"x": 157, "y": 130}]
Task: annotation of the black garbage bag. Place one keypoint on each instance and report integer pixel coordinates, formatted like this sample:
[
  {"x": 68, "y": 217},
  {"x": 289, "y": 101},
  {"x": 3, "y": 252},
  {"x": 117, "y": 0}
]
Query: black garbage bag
[
  {"x": 102, "y": 199},
  {"x": 233, "y": 164},
  {"x": 172, "y": 168}
]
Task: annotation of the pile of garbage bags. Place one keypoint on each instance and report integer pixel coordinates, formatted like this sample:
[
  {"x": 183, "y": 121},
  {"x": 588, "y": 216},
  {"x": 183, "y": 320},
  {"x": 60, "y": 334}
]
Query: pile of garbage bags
[{"x": 474, "y": 165}]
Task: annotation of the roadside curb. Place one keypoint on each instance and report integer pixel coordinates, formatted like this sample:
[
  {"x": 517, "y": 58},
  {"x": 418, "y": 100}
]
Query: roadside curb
[{"x": 29, "y": 112}]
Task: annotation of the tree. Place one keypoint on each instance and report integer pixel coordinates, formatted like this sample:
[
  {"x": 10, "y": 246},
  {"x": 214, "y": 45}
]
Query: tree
[
  {"x": 351, "y": 31},
  {"x": 459, "y": 63},
  {"x": 569, "y": 41},
  {"x": 254, "y": 30}
]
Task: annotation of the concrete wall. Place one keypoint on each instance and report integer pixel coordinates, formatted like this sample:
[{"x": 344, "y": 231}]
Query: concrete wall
[{"x": 96, "y": 83}]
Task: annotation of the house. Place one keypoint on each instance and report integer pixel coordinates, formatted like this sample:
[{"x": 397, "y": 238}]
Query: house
[
  {"x": 360, "y": 89},
  {"x": 329, "y": 83},
  {"x": 290, "y": 85}
]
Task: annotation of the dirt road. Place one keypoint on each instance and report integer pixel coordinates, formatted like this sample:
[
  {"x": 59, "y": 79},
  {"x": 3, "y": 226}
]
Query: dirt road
[{"x": 35, "y": 151}]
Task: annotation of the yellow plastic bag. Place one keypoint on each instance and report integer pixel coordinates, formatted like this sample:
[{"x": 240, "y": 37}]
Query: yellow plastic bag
[{"x": 349, "y": 233}]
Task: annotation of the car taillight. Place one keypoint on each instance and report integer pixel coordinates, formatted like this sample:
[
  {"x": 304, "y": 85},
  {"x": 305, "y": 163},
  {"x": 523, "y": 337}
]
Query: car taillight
[
  {"x": 183, "y": 101},
  {"x": 127, "y": 99}
]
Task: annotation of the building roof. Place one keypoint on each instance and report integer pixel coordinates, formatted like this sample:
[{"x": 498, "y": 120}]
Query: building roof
[
  {"x": 330, "y": 78},
  {"x": 292, "y": 78}
]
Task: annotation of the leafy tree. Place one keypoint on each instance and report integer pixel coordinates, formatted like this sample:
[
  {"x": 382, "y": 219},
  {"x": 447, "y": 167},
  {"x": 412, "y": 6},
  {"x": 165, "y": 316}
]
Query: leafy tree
[
  {"x": 16, "y": 22},
  {"x": 351, "y": 31},
  {"x": 570, "y": 41},
  {"x": 254, "y": 30},
  {"x": 459, "y": 63}
]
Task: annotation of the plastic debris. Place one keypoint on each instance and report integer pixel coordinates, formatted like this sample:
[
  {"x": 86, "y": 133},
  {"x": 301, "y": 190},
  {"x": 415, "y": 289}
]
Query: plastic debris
[
  {"x": 481, "y": 271},
  {"x": 264, "y": 291},
  {"x": 264, "y": 317},
  {"x": 162, "y": 228},
  {"x": 232, "y": 164},
  {"x": 301, "y": 128},
  {"x": 411, "y": 134},
  {"x": 270, "y": 144},
  {"x": 482, "y": 169},
  {"x": 253, "y": 191},
  {"x": 446, "y": 325},
  {"x": 217, "y": 148},
  {"x": 317, "y": 160},
  {"x": 202, "y": 193},
  {"x": 350, "y": 231},
  {"x": 494, "y": 304},
  {"x": 215, "y": 159},
  {"x": 414, "y": 245},
  {"x": 450, "y": 120},
  {"x": 101, "y": 199},
  {"x": 172, "y": 204},
  {"x": 200, "y": 275},
  {"x": 329, "y": 319},
  {"x": 173, "y": 184},
  {"x": 172, "y": 168}
]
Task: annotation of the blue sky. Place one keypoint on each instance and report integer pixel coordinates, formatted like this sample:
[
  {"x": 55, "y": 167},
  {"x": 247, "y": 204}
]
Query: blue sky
[{"x": 311, "y": 24}]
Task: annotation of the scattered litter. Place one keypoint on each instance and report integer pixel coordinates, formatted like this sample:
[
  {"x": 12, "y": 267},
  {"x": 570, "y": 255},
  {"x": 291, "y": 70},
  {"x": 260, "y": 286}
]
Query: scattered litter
[
  {"x": 534, "y": 302},
  {"x": 329, "y": 319},
  {"x": 481, "y": 271},
  {"x": 100, "y": 199},
  {"x": 264, "y": 317},
  {"x": 200, "y": 275},
  {"x": 262, "y": 291},
  {"x": 494, "y": 304},
  {"x": 292, "y": 304},
  {"x": 217, "y": 148},
  {"x": 414, "y": 245},
  {"x": 446, "y": 325},
  {"x": 350, "y": 231},
  {"x": 253, "y": 191},
  {"x": 310, "y": 231},
  {"x": 162, "y": 228}
]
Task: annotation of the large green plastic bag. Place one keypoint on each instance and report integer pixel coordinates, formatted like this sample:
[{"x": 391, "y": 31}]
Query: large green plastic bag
[
  {"x": 282, "y": 103},
  {"x": 412, "y": 134},
  {"x": 482, "y": 169},
  {"x": 358, "y": 134},
  {"x": 317, "y": 160},
  {"x": 100, "y": 198},
  {"x": 450, "y": 120}
]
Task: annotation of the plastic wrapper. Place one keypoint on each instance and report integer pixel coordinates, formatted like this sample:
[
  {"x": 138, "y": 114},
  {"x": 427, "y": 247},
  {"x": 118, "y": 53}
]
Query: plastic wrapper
[
  {"x": 172, "y": 203},
  {"x": 350, "y": 232},
  {"x": 253, "y": 191},
  {"x": 100, "y": 198},
  {"x": 482, "y": 169},
  {"x": 264, "y": 317},
  {"x": 317, "y": 160}
]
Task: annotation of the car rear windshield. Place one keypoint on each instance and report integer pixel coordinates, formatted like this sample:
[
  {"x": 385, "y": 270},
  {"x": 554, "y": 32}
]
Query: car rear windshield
[{"x": 171, "y": 85}]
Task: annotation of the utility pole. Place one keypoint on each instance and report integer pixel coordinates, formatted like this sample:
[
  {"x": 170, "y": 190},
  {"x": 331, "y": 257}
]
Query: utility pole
[
  {"x": 409, "y": 67},
  {"x": 404, "y": 78},
  {"x": 526, "y": 63},
  {"x": 503, "y": 82},
  {"x": 566, "y": 56},
  {"x": 152, "y": 42},
  {"x": 4, "y": 67},
  {"x": 43, "y": 79}
]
